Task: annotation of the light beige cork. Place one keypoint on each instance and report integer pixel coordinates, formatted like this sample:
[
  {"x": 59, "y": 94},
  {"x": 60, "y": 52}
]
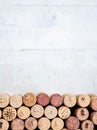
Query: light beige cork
[
  {"x": 4, "y": 125},
  {"x": 93, "y": 103},
  {"x": 82, "y": 113},
  {"x": 64, "y": 112},
  {"x": 87, "y": 125},
  {"x": 50, "y": 112},
  {"x": 57, "y": 124},
  {"x": 83, "y": 100},
  {"x": 23, "y": 112},
  {"x": 93, "y": 117},
  {"x": 4, "y": 100},
  {"x": 9, "y": 113},
  {"x": 43, "y": 123},
  {"x": 37, "y": 111},
  {"x": 16, "y": 101},
  {"x": 69, "y": 100}
]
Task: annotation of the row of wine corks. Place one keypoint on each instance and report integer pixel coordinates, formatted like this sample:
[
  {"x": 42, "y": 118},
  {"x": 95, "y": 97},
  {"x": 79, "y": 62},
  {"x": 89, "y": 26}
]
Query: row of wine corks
[
  {"x": 72, "y": 118},
  {"x": 72, "y": 123},
  {"x": 45, "y": 112},
  {"x": 30, "y": 99}
]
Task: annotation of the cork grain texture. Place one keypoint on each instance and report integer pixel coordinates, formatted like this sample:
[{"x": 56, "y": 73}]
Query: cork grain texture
[{"x": 48, "y": 46}]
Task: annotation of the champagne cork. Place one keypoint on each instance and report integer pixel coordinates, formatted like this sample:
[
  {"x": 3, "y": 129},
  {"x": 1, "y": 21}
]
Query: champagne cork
[
  {"x": 57, "y": 124},
  {"x": 43, "y": 123},
  {"x": 9, "y": 113},
  {"x": 17, "y": 124},
  {"x": 29, "y": 99},
  {"x": 50, "y": 112},
  {"x": 37, "y": 111},
  {"x": 0, "y": 113},
  {"x": 23, "y": 112},
  {"x": 64, "y": 112},
  {"x": 31, "y": 123},
  {"x": 4, "y": 100},
  {"x": 69, "y": 100},
  {"x": 93, "y": 117},
  {"x": 93, "y": 103},
  {"x": 82, "y": 113},
  {"x": 4, "y": 125},
  {"x": 16, "y": 101},
  {"x": 72, "y": 123},
  {"x": 56, "y": 100},
  {"x": 83, "y": 100},
  {"x": 87, "y": 125},
  {"x": 43, "y": 99}
]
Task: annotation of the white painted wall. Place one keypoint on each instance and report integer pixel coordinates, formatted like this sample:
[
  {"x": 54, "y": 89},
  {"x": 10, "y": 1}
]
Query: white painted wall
[{"x": 48, "y": 45}]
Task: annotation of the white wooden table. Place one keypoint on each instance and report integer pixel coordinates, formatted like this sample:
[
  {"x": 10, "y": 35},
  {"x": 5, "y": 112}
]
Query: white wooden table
[{"x": 48, "y": 45}]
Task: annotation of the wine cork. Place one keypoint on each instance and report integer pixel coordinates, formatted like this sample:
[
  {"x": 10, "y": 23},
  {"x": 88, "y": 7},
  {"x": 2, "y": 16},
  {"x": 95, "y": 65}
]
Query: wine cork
[
  {"x": 37, "y": 111},
  {"x": 17, "y": 124},
  {"x": 31, "y": 123},
  {"x": 0, "y": 113},
  {"x": 56, "y": 100},
  {"x": 43, "y": 99},
  {"x": 91, "y": 95},
  {"x": 82, "y": 113},
  {"x": 57, "y": 124},
  {"x": 16, "y": 101},
  {"x": 93, "y": 103},
  {"x": 4, "y": 125},
  {"x": 83, "y": 100},
  {"x": 23, "y": 112},
  {"x": 4, "y": 100},
  {"x": 72, "y": 123},
  {"x": 50, "y": 112},
  {"x": 64, "y": 112},
  {"x": 29, "y": 99},
  {"x": 69, "y": 100},
  {"x": 87, "y": 125},
  {"x": 93, "y": 117},
  {"x": 9, "y": 113},
  {"x": 43, "y": 123}
]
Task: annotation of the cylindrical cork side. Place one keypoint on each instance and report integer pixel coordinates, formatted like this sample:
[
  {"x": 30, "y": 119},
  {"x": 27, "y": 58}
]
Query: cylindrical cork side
[
  {"x": 72, "y": 123},
  {"x": 87, "y": 125},
  {"x": 29, "y": 99},
  {"x": 82, "y": 113},
  {"x": 37, "y": 111},
  {"x": 57, "y": 124},
  {"x": 64, "y": 112},
  {"x": 56, "y": 100},
  {"x": 93, "y": 117},
  {"x": 83, "y": 100},
  {"x": 31, "y": 123},
  {"x": 17, "y": 124},
  {"x": 69, "y": 100},
  {"x": 43, "y": 123},
  {"x": 43, "y": 99}
]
